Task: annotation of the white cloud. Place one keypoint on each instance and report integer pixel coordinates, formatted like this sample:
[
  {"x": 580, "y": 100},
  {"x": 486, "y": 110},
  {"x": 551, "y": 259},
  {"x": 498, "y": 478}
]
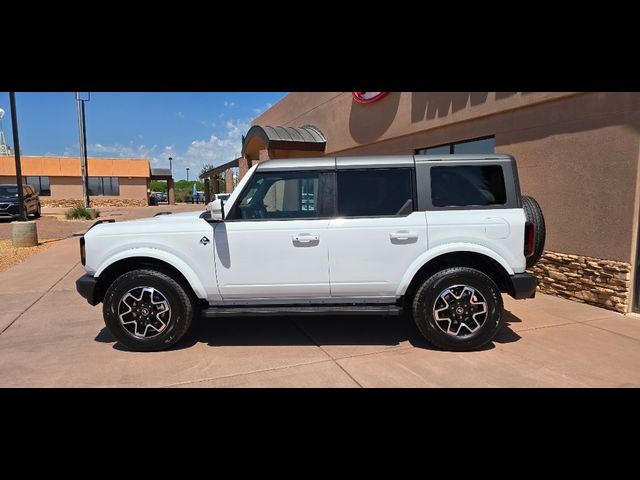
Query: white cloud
[
  {"x": 180, "y": 115},
  {"x": 215, "y": 150},
  {"x": 207, "y": 124},
  {"x": 262, "y": 109},
  {"x": 229, "y": 104},
  {"x": 237, "y": 129}
]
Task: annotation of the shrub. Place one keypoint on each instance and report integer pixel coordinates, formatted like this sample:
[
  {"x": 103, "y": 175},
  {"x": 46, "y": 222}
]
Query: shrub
[{"x": 80, "y": 213}]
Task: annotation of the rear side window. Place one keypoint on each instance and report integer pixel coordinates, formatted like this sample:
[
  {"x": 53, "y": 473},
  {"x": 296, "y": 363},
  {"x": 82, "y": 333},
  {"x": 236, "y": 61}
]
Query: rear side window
[
  {"x": 468, "y": 185},
  {"x": 375, "y": 192}
]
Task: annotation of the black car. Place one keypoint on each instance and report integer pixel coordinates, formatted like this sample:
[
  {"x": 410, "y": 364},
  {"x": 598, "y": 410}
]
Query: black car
[{"x": 9, "y": 201}]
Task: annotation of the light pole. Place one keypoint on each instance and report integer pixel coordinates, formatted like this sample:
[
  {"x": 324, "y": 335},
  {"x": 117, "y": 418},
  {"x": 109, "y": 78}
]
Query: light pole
[
  {"x": 82, "y": 131},
  {"x": 16, "y": 152},
  {"x": 170, "y": 167},
  {"x": 187, "y": 174}
]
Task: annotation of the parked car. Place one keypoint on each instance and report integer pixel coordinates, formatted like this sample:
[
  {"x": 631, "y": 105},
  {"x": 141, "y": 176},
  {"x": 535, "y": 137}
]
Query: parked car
[
  {"x": 9, "y": 208},
  {"x": 215, "y": 206},
  {"x": 437, "y": 237}
]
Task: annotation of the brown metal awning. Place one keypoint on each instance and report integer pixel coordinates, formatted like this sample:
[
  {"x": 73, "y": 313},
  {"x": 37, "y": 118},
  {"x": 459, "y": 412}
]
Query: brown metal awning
[
  {"x": 220, "y": 168},
  {"x": 305, "y": 138},
  {"x": 161, "y": 174}
]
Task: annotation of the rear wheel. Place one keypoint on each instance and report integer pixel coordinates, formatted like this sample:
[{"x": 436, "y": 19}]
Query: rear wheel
[
  {"x": 147, "y": 310},
  {"x": 458, "y": 309}
]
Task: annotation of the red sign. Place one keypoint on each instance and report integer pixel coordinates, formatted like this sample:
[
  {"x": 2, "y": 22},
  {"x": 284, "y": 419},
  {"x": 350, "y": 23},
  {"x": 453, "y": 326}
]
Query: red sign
[{"x": 368, "y": 97}]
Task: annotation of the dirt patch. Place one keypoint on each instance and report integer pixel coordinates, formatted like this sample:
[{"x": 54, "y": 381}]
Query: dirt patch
[{"x": 10, "y": 256}]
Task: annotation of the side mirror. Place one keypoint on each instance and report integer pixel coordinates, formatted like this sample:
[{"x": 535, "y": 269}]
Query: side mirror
[{"x": 216, "y": 209}]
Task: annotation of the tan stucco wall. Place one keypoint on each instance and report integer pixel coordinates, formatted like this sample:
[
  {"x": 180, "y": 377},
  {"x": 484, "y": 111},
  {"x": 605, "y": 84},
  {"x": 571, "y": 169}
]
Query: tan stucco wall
[
  {"x": 133, "y": 187},
  {"x": 348, "y": 124},
  {"x": 66, "y": 187},
  {"x": 577, "y": 153}
]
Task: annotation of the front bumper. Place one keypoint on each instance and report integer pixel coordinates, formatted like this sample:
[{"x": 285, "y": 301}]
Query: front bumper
[
  {"x": 523, "y": 285},
  {"x": 87, "y": 287}
]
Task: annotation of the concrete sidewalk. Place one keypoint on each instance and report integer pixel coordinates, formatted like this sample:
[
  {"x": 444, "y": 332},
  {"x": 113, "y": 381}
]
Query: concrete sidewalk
[{"x": 52, "y": 337}]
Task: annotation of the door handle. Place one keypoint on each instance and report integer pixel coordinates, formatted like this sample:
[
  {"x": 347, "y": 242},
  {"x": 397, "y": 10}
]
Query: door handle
[
  {"x": 305, "y": 238},
  {"x": 403, "y": 235}
]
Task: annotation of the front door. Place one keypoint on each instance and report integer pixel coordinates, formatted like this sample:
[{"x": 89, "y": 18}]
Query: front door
[{"x": 273, "y": 242}]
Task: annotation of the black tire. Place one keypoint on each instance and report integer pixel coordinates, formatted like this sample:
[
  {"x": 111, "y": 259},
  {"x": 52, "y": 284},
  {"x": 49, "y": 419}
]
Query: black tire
[
  {"x": 426, "y": 300},
  {"x": 176, "y": 295},
  {"x": 38, "y": 212},
  {"x": 533, "y": 212}
]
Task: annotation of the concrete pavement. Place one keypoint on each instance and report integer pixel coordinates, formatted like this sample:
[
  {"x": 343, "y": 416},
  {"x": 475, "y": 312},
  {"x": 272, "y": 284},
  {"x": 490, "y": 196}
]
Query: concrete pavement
[{"x": 52, "y": 337}]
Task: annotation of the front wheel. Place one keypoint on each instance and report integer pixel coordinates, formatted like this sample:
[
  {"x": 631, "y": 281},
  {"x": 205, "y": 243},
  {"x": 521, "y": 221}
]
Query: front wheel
[
  {"x": 458, "y": 309},
  {"x": 38, "y": 212},
  {"x": 147, "y": 310}
]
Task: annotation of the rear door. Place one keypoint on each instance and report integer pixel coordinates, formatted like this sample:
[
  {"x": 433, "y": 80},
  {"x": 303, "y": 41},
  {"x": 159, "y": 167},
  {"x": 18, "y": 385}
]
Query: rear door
[{"x": 377, "y": 233}]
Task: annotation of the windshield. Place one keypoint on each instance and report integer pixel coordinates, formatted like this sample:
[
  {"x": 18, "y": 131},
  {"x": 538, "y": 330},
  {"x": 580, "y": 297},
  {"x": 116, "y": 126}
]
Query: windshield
[{"x": 8, "y": 191}]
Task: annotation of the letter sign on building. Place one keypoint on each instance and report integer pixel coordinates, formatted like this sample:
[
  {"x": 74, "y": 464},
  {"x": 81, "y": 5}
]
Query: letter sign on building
[{"x": 368, "y": 97}]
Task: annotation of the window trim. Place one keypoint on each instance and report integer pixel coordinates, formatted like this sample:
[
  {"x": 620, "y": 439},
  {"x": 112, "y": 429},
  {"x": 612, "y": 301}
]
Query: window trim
[
  {"x": 38, "y": 191},
  {"x": 233, "y": 215},
  {"x": 452, "y": 145},
  {"x": 509, "y": 172},
  {"x": 102, "y": 194},
  {"x": 412, "y": 181}
]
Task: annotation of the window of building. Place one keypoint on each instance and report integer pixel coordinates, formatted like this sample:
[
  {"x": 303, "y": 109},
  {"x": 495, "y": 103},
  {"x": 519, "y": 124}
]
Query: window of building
[
  {"x": 109, "y": 186},
  {"x": 40, "y": 184},
  {"x": 468, "y": 185},
  {"x": 274, "y": 195},
  {"x": 476, "y": 146},
  {"x": 375, "y": 192}
]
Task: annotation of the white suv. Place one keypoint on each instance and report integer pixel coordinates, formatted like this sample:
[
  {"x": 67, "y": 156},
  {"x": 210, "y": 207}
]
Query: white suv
[{"x": 439, "y": 237}]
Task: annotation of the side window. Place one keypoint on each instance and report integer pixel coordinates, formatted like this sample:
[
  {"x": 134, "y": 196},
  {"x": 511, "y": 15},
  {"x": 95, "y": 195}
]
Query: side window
[
  {"x": 274, "y": 195},
  {"x": 467, "y": 185},
  {"x": 375, "y": 192},
  {"x": 45, "y": 187}
]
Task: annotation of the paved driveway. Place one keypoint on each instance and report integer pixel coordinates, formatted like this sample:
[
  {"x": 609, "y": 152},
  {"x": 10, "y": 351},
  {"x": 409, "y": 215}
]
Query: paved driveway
[{"x": 52, "y": 337}]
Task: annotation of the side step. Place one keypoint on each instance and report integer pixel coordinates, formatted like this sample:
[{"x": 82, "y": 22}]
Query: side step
[{"x": 306, "y": 310}]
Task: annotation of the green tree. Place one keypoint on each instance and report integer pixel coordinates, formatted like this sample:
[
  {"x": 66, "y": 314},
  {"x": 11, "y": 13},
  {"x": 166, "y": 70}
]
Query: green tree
[
  {"x": 157, "y": 186},
  {"x": 207, "y": 167}
]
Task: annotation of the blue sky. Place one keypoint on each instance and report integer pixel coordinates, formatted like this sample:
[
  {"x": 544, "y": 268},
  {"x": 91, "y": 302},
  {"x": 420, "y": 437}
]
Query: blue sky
[{"x": 194, "y": 128}]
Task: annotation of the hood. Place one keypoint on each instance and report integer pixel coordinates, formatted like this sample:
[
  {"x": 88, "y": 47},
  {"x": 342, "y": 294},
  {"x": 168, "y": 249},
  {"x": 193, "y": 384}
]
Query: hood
[{"x": 175, "y": 222}]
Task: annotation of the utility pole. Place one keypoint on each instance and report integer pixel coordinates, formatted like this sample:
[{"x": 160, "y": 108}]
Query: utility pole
[
  {"x": 82, "y": 132},
  {"x": 16, "y": 151}
]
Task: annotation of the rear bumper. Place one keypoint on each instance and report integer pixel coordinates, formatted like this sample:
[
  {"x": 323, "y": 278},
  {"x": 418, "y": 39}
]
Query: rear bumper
[
  {"x": 86, "y": 286},
  {"x": 523, "y": 285}
]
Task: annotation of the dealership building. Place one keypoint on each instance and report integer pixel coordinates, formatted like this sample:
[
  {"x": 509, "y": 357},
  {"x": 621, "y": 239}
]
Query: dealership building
[
  {"x": 577, "y": 154},
  {"x": 112, "y": 181}
]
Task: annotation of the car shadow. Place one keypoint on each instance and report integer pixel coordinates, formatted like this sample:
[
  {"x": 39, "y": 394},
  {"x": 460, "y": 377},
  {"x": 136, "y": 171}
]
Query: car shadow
[{"x": 340, "y": 330}]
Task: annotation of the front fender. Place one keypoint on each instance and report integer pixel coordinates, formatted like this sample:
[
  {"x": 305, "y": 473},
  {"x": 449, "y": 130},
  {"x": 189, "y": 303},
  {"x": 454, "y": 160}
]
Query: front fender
[
  {"x": 444, "y": 249},
  {"x": 174, "y": 261}
]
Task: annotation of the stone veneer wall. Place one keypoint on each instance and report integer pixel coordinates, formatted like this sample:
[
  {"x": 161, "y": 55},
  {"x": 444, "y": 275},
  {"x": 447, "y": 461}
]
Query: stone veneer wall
[
  {"x": 95, "y": 202},
  {"x": 604, "y": 283}
]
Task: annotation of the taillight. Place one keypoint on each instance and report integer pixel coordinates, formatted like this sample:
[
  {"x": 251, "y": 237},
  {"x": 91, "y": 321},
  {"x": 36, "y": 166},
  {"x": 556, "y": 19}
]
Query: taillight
[
  {"x": 529, "y": 239},
  {"x": 83, "y": 255}
]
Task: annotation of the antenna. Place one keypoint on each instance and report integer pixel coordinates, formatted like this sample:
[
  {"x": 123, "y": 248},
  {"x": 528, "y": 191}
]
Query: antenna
[{"x": 4, "y": 148}]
